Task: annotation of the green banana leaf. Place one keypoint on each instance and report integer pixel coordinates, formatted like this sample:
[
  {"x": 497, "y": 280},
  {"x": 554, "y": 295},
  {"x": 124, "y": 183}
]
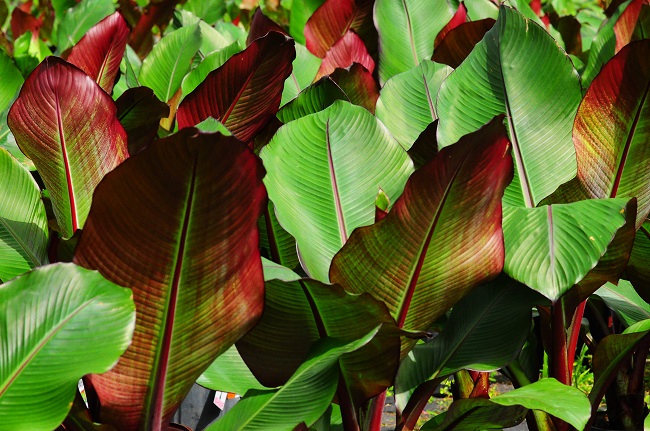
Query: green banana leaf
[
  {"x": 11, "y": 81},
  {"x": 59, "y": 322},
  {"x": 626, "y": 303},
  {"x": 170, "y": 60},
  {"x": 196, "y": 274},
  {"x": 211, "y": 62},
  {"x": 518, "y": 70},
  {"x": 407, "y": 30},
  {"x": 612, "y": 130},
  {"x": 442, "y": 237},
  {"x": 548, "y": 395},
  {"x": 67, "y": 125},
  {"x": 406, "y": 102},
  {"x": 553, "y": 247},
  {"x": 484, "y": 332},
  {"x": 314, "y": 98},
  {"x": 305, "y": 67},
  {"x": 23, "y": 222},
  {"x": 76, "y": 21},
  {"x": 323, "y": 174},
  {"x": 229, "y": 373},
  {"x": 304, "y": 398}
]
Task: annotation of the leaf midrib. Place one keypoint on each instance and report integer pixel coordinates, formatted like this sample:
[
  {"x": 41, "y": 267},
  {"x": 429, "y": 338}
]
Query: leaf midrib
[
  {"x": 66, "y": 163},
  {"x": 422, "y": 252},
  {"x": 20, "y": 242},
  {"x": 39, "y": 346},
  {"x": 335, "y": 189},
  {"x": 178, "y": 58},
  {"x": 409, "y": 30},
  {"x": 156, "y": 397}
]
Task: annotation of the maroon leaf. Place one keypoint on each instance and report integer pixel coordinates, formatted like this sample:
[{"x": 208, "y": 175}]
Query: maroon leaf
[
  {"x": 140, "y": 112},
  {"x": 348, "y": 50},
  {"x": 67, "y": 125},
  {"x": 22, "y": 22},
  {"x": 261, "y": 25},
  {"x": 158, "y": 14},
  {"x": 460, "y": 17},
  {"x": 425, "y": 147},
  {"x": 332, "y": 20},
  {"x": 244, "y": 93},
  {"x": 460, "y": 41},
  {"x": 624, "y": 26},
  {"x": 443, "y": 236},
  {"x": 358, "y": 84},
  {"x": 100, "y": 51},
  {"x": 177, "y": 223}
]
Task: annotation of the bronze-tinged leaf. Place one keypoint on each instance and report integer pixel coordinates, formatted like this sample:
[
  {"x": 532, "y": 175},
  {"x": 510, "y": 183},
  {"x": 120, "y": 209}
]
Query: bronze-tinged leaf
[
  {"x": 67, "y": 125},
  {"x": 177, "y": 223},
  {"x": 244, "y": 93},
  {"x": 348, "y": 50},
  {"x": 358, "y": 84},
  {"x": 611, "y": 131},
  {"x": 460, "y": 17},
  {"x": 443, "y": 236},
  {"x": 331, "y": 21},
  {"x": 100, "y": 51}
]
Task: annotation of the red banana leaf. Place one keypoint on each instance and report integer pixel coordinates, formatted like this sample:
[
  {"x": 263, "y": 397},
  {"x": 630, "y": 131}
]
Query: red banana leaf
[
  {"x": 348, "y": 50},
  {"x": 331, "y": 21},
  {"x": 67, "y": 125},
  {"x": 261, "y": 25},
  {"x": 611, "y": 132},
  {"x": 100, "y": 51},
  {"x": 460, "y": 17},
  {"x": 358, "y": 84},
  {"x": 443, "y": 236},
  {"x": 22, "y": 22},
  {"x": 626, "y": 23},
  {"x": 177, "y": 223},
  {"x": 459, "y": 42},
  {"x": 244, "y": 93}
]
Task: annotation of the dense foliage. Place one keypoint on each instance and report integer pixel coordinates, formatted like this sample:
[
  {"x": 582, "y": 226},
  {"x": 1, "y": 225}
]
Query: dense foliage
[{"x": 314, "y": 201}]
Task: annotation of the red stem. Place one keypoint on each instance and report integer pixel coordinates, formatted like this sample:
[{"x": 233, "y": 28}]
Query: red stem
[
  {"x": 376, "y": 412},
  {"x": 347, "y": 408},
  {"x": 576, "y": 325},
  {"x": 559, "y": 360}
]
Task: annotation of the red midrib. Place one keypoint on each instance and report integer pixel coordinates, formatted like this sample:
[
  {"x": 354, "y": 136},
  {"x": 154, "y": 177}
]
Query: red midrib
[
  {"x": 156, "y": 401},
  {"x": 628, "y": 144},
  {"x": 335, "y": 188},
  {"x": 66, "y": 164},
  {"x": 410, "y": 291},
  {"x": 226, "y": 115}
]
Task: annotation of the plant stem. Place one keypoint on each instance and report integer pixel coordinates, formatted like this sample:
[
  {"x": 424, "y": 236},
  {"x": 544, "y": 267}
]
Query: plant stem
[
  {"x": 376, "y": 412},
  {"x": 559, "y": 359},
  {"x": 576, "y": 325},
  {"x": 348, "y": 414}
]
